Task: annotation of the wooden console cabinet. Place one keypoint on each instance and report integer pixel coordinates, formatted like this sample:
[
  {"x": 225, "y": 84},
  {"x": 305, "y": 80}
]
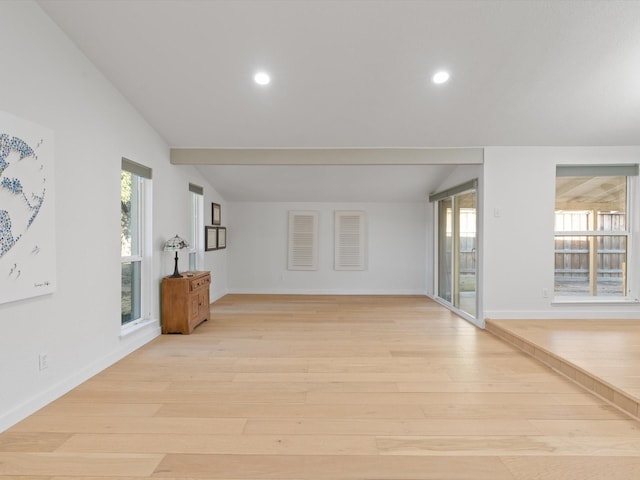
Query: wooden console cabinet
[{"x": 185, "y": 302}]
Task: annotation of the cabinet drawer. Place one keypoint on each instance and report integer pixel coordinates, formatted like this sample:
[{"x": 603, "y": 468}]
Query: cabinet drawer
[{"x": 199, "y": 283}]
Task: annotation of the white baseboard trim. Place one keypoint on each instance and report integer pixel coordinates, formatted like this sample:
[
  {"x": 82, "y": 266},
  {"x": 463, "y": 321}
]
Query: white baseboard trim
[
  {"x": 563, "y": 314},
  {"x": 287, "y": 291},
  {"x": 217, "y": 295},
  {"x": 128, "y": 344}
]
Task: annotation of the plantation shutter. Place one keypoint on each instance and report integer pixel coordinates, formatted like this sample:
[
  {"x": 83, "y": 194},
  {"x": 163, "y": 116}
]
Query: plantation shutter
[
  {"x": 350, "y": 241},
  {"x": 303, "y": 241}
]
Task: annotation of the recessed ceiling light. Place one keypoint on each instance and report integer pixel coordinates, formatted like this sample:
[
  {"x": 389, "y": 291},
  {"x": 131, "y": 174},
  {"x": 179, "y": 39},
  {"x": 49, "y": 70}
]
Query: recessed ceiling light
[
  {"x": 440, "y": 77},
  {"x": 262, "y": 78}
]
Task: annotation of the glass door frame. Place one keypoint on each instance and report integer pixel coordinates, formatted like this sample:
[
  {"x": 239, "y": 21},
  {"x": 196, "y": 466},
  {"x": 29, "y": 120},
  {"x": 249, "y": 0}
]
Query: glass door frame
[{"x": 454, "y": 262}]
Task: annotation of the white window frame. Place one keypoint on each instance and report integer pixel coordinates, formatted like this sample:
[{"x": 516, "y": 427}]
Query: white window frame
[
  {"x": 196, "y": 237},
  {"x": 144, "y": 256},
  {"x": 631, "y": 293}
]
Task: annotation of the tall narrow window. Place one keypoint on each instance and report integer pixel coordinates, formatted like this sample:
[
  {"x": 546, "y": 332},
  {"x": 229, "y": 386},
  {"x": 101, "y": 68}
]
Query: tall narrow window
[
  {"x": 134, "y": 185},
  {"x": 456, "y": 211},
  {"x": 592, "y": 234},
  {"x": 196, "y": 235}
]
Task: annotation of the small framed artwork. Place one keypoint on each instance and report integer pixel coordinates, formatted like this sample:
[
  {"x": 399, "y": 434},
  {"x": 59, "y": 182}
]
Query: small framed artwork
[
  {"x": 216, "y": 215},
  {"x": 222, "y": 237},
  {"x": 210, "y": 239}
]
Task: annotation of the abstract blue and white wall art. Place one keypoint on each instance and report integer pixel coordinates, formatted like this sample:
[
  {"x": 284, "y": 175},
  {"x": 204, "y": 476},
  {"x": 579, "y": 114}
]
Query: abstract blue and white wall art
[{"x": 27, "y": 228}]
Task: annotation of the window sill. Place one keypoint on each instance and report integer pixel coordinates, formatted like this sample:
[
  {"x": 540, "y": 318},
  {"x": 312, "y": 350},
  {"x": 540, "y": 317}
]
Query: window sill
[
  {"x": 129, "y": 329},
  {"x": 593, "y": 301}
]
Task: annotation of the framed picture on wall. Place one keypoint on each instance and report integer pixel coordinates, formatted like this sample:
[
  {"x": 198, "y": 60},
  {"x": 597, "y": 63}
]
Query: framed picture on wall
[
  {"x": 210, "y": 239},
  {"x": 216, "y": 215},
  {"x": 222, "y": 237}
]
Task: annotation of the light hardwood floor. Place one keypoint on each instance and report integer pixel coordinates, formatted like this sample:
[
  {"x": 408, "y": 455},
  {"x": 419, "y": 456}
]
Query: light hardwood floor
[
  {"x": 330, "y": 387},
  {"x": 601, "y": 355}
]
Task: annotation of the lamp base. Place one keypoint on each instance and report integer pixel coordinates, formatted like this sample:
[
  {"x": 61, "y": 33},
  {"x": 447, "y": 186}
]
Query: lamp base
[{"x": 176, "y": 274}]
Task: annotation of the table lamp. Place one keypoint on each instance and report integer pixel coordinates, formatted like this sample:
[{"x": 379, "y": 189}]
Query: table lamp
[{"x": 173, "y": 245}]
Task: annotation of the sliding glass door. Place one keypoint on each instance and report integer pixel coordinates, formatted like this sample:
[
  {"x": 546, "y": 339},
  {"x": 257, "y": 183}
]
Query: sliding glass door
[
  {"x": 465, "y": 239},
  {"x": 445, "y": 248},
  {"x": 457, "y": 250}
]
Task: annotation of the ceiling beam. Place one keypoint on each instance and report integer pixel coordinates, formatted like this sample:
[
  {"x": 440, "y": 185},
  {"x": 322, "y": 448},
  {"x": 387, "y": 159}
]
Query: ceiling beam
[{"x": 327, "y": 156}]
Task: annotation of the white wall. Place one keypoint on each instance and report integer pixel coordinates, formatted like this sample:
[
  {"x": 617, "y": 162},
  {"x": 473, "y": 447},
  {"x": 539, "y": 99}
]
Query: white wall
[
  {"x": 257, "y": 244},
  {"x": 215, "y": 261},
  {"x": 48, "y": 81},
  {"x": 518, "y": 237}
]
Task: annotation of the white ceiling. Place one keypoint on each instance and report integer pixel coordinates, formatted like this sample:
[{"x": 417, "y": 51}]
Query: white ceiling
[{"x": 356, "y": 73}]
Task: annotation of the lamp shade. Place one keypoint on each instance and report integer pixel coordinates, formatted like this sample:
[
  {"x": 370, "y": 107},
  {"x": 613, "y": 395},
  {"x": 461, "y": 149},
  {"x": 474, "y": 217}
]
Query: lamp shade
[{"x": 176, "y": 243}]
